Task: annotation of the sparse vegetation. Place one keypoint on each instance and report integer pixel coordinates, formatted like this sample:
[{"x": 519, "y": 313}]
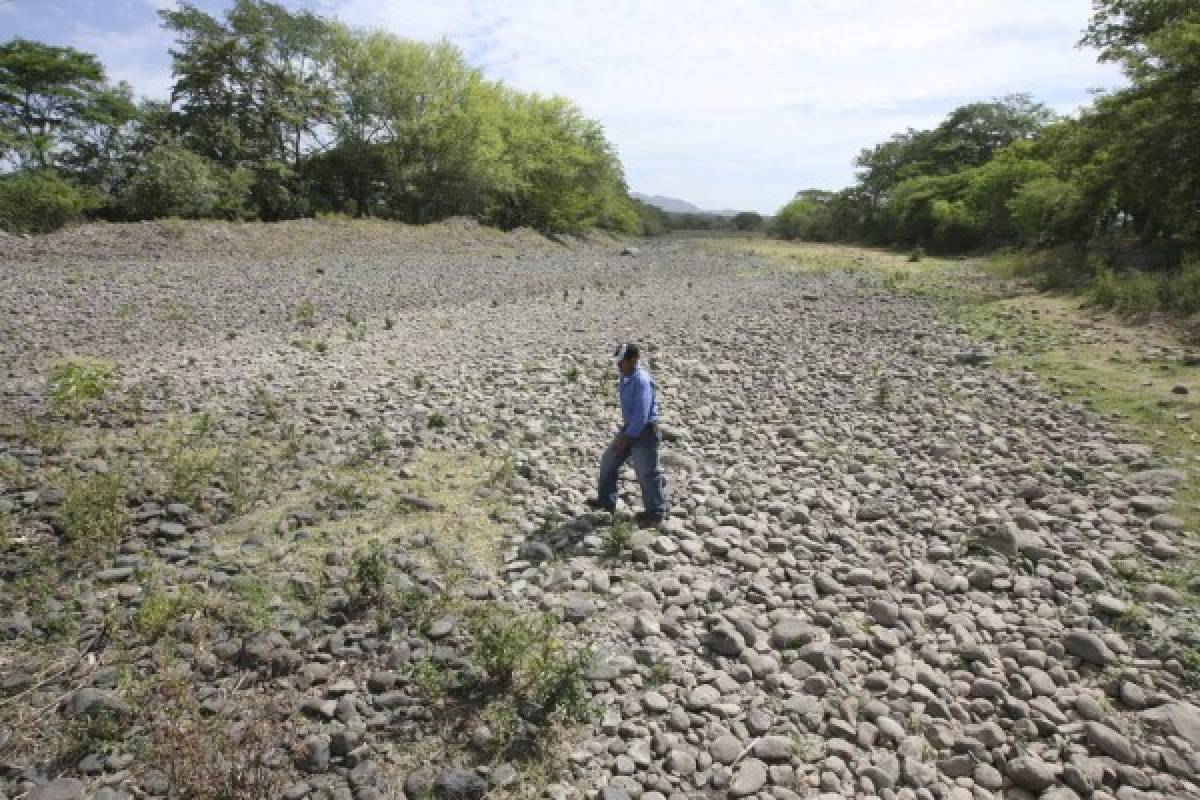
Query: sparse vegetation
[
  {"x": 205, "y": 757},
  {"x": 430, "y": 680},
  {"x": 345, "y": 495},
  {"x": 94, "y": 510},
  {"x": 528, "y": 660},
  {"x": 306, "y": 314},
  {"x": 74, "y": 383},
  {"x": 159, "y": 610},
  {"x": 370, "y": 574},
  {"x": 189, "y": 469},
  {"x": 620, "y": 539}
]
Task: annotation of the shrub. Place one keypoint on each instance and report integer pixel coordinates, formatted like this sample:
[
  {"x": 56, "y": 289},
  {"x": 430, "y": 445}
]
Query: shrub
[
  {"x": 233, "y": 195},
  {"x": 1183, "y": 290},
  {"x": 173, "y": 182},
  {"x": 526, "y": 658},
  {"x": 370, "y": 573},
  {"x": 1047, "y": 210},
  {"x": 41, "y": 201},
  {"x": 501, "y": 642},
  {"x": 1130, "y": 293},
  {"x": 214, "y": 757}
]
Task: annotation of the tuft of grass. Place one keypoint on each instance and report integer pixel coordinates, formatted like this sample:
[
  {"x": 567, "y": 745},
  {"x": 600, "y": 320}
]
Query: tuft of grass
[
  {"x": 377, "y": 440},
  {"x": 660, "y": 674},
  {"x": 436, "y": 421},
  {"x": 94, "y": 509},
  {"x": 503, "y": 473},
  {"x": 345, "y": 495},
  {"x": 46, "y": 436},
  {"x": 431, "y": 681},
  {"x": 883, "y": 392},
  {"x": 306, "y": 314},
  {"x": 189, "y": 471},
  {"x": 265, "y": 402},
  {"x": 620, "y": 539},
  {"x": 74, "y": 383},
  {"x": 418, "y": 380},
  {"x": 159, "y": 611},
  {"x": 573, "y": 374}
]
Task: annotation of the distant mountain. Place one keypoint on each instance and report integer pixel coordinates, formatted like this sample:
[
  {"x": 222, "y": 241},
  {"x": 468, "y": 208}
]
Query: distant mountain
[{"x": 672, "y": 205}]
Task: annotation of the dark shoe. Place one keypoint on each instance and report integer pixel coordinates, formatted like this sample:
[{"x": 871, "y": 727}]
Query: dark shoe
[
  {"x": 596, "y": 504},
  {"x": 647, "y": 519}
]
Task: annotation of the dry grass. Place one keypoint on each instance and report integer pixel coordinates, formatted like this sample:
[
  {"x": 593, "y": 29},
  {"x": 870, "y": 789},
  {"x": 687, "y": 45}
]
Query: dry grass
[{"x": 205, "y": 757}]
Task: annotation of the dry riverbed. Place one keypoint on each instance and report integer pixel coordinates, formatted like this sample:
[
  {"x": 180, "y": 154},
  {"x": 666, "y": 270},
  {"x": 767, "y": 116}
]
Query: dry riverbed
[{"x": 297, "y": 511}]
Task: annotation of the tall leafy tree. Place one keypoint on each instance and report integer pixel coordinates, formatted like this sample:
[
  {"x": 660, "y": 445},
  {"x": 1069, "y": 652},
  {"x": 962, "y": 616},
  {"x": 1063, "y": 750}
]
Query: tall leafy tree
[
  {"x": 1154, "y": 142},
  {"x": 46, "y": 94},
  {"x": 254, "y": 91}
]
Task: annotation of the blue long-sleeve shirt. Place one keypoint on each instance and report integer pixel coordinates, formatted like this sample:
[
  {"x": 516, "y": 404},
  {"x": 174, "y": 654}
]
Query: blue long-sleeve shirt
[{"x": 639, "y": 402}]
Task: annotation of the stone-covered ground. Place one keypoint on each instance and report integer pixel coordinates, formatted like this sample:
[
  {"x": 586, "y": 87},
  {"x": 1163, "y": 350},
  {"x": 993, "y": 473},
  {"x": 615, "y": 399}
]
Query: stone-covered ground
[{"x": 324, "y": 535}]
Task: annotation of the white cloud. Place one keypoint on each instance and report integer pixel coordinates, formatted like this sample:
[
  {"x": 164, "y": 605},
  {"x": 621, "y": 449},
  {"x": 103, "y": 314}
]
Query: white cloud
[
  {"x": 735, "y": 103},
  {"x": 741, "y": 103},
  {"x": 137, "y": 56}
]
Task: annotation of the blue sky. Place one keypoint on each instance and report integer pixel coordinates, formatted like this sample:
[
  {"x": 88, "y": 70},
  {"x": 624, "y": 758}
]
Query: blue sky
[{"x": 729, "y": 104}]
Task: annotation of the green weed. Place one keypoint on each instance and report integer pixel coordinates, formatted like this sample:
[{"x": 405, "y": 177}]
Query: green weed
[
  {"x": 74, "y": 383},
  {"x": 431, "y": 680},
  {"x": 94, "y": 509},
  {"x": 252, "y": 604},
  {"x": 189, "y": 470},
  {"x": 660, "y": 674},
  {"x": 306, "y": 314},
  {"x": 370, "y": 573},
  {"x": 529, "y": 661},
  {"x": 159, "y": 611},
  {"x": 620, "y": 539},
  {"x": 345, "y": 495}
]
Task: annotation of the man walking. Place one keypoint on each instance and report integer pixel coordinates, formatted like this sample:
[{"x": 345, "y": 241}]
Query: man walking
[{"x": 638, "y": 439}]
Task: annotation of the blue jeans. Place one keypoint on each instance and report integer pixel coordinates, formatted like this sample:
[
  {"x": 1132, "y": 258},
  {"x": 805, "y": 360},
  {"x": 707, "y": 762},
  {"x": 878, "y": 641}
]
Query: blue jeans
[{"x": 644, "y": 453}]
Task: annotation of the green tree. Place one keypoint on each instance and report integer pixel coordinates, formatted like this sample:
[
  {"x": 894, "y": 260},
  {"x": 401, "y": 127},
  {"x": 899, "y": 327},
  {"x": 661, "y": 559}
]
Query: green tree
[
  {"x": 747, "y": 221},
  {"x": 1153, "y": 156},
  {"x": 46, "y": 94},
  {"x": 255, "y": 92},
  {"x": 40, "y": 201},
  {"x": 173, "y": 181}
]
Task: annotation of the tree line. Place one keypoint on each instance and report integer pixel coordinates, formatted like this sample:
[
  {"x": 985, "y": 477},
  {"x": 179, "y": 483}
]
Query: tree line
[
  {"x": 656, "y": 222},
  {"x": 1121, "y": 177},
  {"x": 277, "y": 114}
]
